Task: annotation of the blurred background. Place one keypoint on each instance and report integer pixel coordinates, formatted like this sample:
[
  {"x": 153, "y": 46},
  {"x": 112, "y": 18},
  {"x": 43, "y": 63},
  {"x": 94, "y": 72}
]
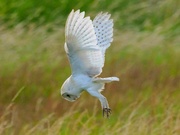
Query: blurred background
[{"x": 145, "y": 55}]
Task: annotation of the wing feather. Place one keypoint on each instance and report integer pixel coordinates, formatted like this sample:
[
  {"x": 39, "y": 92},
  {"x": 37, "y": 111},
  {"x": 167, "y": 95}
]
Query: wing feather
[
  {"x": 103, "y": 26},
  {"x": 84, "y": 54}
]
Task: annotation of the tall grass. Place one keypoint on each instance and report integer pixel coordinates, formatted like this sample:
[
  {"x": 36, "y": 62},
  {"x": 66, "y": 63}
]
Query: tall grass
[
  {"x": 145, "y": 101},
  {"x": 142, "y": 113}
]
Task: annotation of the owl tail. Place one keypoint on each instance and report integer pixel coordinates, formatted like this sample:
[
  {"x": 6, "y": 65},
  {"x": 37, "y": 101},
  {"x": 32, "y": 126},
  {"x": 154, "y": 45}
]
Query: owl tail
[{"x": 105, "y": 80}]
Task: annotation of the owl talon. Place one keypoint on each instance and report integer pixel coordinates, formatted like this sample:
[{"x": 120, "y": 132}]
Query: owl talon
[{"x": 106, "y": 112}]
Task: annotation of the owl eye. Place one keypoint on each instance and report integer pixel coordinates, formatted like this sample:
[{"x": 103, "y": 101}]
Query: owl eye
[{"x": 68, "y": 95}]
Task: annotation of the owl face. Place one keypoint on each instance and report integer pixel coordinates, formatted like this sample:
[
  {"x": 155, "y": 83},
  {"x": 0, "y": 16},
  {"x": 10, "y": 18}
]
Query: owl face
[{"x": 69, "y": 97}]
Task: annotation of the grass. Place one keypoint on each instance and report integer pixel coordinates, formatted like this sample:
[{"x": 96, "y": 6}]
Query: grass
[
  {"x": 136, "y": 14},
  {"x": 145, "y": 101},
  {"x": 145, "y": 56}
]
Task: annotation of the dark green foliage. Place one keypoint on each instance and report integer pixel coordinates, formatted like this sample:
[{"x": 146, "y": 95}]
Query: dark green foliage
[{"x": 136, "y": 14}]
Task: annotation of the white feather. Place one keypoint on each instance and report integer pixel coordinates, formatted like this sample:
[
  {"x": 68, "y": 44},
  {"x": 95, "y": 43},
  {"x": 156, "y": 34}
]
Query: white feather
[
  {"x": 81, "y": 45},
  {"x": 104, "y": 30}
]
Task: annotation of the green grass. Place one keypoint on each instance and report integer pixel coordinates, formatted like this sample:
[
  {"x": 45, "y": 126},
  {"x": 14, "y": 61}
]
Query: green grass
[
  {"x": 136, "y": 14},
  {"x": 145, "y": 56}
]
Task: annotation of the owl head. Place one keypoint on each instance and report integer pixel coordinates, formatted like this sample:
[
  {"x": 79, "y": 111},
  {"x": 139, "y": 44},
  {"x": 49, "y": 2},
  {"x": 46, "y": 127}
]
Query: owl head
[{"x": 69, "y": 91}]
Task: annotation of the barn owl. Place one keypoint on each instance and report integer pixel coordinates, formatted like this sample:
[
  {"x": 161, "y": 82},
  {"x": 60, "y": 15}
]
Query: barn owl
[{"x": 86, "y": 42}]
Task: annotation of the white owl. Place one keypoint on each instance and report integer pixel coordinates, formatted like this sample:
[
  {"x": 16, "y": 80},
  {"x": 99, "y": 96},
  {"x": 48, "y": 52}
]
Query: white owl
[{"x": 85, "y": 45}]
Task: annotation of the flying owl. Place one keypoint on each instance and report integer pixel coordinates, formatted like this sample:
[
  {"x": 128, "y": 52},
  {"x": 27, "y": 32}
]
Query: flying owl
[{"x": 86, "y": 42}]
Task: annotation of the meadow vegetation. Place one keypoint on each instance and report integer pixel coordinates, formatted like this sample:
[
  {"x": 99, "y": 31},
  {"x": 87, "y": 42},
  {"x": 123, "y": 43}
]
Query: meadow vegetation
[{"x": 145, "y": 56}]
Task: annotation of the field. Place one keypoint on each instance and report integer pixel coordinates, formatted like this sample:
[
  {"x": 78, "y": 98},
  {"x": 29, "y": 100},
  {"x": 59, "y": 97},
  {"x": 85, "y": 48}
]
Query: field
[{"x": 145, "y": 56}]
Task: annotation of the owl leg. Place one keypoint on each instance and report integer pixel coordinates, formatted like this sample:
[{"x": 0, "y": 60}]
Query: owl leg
[{"x": 103, "y": 100}]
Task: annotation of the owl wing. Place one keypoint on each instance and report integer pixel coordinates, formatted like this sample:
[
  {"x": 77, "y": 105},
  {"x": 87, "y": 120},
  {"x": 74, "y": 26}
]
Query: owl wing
[
  {"x": 84, "y": 54},
  {"x": 103, "y": 27}
]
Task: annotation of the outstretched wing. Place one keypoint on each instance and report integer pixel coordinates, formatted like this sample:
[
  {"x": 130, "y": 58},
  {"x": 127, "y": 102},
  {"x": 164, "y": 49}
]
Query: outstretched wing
[
  {"x": 84, "y": 54},
  {"x": 103, "y": 27}
]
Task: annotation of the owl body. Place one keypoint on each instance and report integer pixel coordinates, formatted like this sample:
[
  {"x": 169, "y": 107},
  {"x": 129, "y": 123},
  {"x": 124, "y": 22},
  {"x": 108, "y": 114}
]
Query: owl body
[{"x": 86, "y": 44}]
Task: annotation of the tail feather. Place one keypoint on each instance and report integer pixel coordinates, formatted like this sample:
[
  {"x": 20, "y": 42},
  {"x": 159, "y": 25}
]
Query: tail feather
[{"x": 105, "y": 80}]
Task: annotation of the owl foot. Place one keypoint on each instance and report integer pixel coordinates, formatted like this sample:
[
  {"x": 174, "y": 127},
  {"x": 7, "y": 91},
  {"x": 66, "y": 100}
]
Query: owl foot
[{"x": 106, "y": 112}]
